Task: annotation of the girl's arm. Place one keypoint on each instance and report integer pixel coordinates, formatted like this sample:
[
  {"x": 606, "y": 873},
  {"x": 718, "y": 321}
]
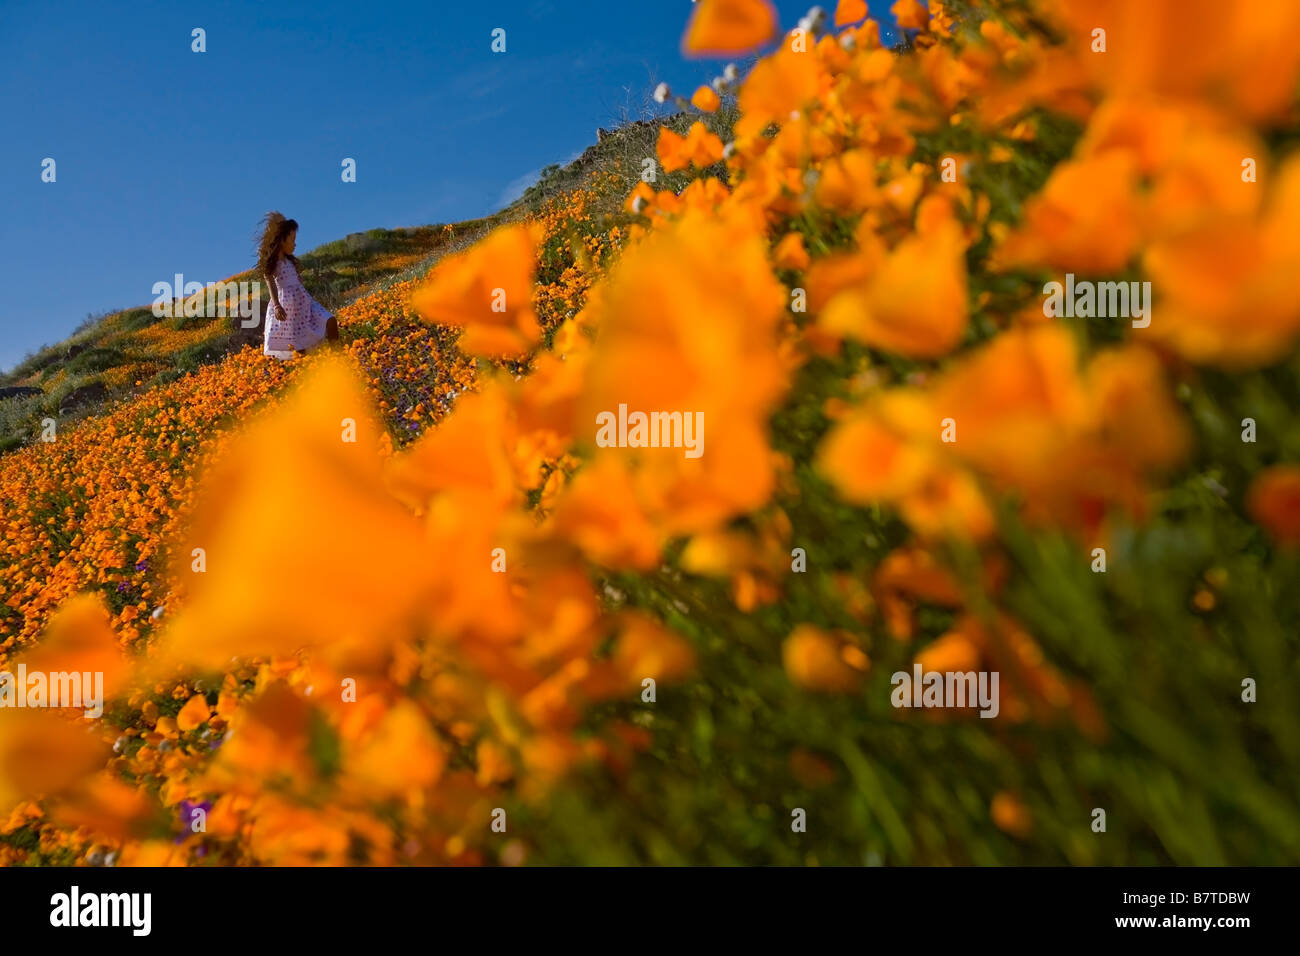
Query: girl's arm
[{"x": 275, "y": 301}]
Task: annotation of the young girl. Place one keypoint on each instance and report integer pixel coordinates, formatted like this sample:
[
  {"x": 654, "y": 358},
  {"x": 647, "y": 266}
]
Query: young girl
[{"x": 294, "y": 320}]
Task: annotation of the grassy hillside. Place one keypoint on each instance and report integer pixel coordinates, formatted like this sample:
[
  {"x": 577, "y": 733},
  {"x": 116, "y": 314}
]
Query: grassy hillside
[
  {"x": 125, "y": 353},
  {"x": 129, "y": 379},
  {"x": 912, "y": 463}
]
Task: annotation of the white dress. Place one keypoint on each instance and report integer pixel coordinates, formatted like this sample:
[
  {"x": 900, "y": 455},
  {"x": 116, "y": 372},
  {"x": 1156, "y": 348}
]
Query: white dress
[{"x": 299, "y": 323}]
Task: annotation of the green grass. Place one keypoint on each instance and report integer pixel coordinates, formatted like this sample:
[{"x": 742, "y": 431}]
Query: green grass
[{"x": 1187, "y": 772}]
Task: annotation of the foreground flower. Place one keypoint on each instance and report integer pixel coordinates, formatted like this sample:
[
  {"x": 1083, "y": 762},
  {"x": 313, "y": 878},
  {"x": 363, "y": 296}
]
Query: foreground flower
[
  {"x": 488, "y": 291},
  {"x": 1084, "y": 220},
  {"x": 43, "y": 754},
  {"x": 850, "y": 11},
  {"x": 78, "y": 639},
  {"x": 312, "y": 581},
  {"x": 911, "y": 14},
  {"x": 705, "y": 100},
  {"x": 688, "y": 324},
  {"x": 1226, "y": 290},
  {"x": 727, "y": 27},
  {"x": 823, "y": 662},
  {"x": 913, "y": 302},
  {"x": 1242, "y": 56},
  {"x": 1274, "y": 503},
  {"x": 1018, "y": 414}
]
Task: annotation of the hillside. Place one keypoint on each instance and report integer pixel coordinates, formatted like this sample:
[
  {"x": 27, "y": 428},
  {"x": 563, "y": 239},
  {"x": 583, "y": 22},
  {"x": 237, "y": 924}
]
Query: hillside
[
  {"x": 127, "y": 353},
  {"x": 129, "y": 385},
  {"x": 124, "y": 354},
  {"x": 361, "y": 619}
]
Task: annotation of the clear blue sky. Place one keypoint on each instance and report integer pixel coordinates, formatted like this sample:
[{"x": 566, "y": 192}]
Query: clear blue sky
[{"x": 166, "y": 158}]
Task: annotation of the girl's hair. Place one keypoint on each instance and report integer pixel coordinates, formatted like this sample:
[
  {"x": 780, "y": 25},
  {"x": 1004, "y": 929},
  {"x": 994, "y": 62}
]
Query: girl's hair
[{"x": 276, "y": 230}]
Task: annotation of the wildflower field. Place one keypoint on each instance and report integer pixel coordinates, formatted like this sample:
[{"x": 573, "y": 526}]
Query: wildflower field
[{"x": 943, "y": 427}]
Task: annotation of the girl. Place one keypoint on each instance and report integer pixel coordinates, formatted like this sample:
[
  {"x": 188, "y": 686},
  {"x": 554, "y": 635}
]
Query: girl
[{"x": 294, "y": 320}]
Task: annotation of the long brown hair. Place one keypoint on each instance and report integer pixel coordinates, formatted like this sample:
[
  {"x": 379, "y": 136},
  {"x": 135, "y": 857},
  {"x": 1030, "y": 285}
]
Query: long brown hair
[{"x": 276, "y": 229}]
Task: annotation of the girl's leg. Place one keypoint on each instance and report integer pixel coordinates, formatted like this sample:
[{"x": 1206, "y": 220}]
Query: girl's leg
[{"x": 332, "y": 329}]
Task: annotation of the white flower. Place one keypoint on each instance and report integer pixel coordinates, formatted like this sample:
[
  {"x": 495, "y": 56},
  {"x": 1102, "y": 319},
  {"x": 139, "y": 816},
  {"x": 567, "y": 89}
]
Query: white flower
[
  {"x": 662, "y": 92},
  {"x": 813, "y": 22},
  {"x": 730, "y": 73}
]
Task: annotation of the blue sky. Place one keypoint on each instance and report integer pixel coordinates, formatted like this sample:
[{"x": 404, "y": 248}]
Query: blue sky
[{"x": 166, "y": 158}]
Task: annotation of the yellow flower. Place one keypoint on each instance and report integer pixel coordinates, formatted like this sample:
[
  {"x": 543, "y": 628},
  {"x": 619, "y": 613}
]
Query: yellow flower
[
  {"x": 1241, "y": 56},
  {"x": 850, "y": 11},
  {"x": 698, "y": 147},
  {"x": 820, "y": 661},
  {"x": 1224, "y": 291},
  {"x": 489, "y": 292},
  {"x": 644, "y": 648},
  {"x": 42, "y": 754},
  {"x": 1274, "y": 503},
  {"x": 790, "y": 252},
  {"x": 687, "y": 323},
  {"x": 847, "y": 183},
  {"x": 194, "y": 713},
  {"x": 1084, "y": 220},
  {"x": 778, "y": 87},
  {"x": 400, "y": 755},
  {"x": 911, "y": 14},
  {"x": 705, "y": 100},
  {"x": 78, "y": 638},
  {"x": 914, "y": 304},
  {"x": 265, "y": 573},
  {"x": 729, "y": 27},
  {"x": 1010, "y": 814}
]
